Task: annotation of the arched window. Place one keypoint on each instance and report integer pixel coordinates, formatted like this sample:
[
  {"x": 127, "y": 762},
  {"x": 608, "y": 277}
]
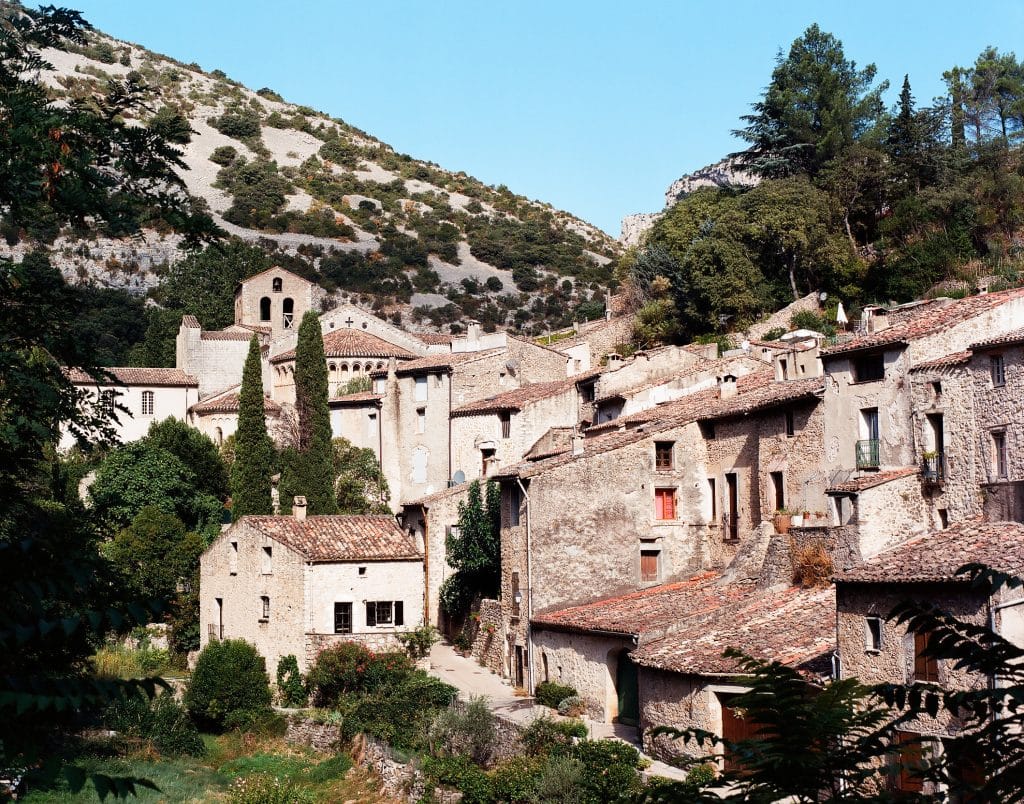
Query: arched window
[
  {"x": 220, "y": 436},
  {"x": 265, "y": 308},
  {"x": 276, "y": 284},
  {"x": 345, "y": 368},
  {"x": 332, "y": 368},
  {"x": 288, "y": 308}
]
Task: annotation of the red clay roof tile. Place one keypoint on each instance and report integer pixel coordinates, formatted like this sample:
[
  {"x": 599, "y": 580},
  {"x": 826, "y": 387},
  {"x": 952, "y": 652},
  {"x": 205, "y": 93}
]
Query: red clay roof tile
[
  {"x": 131, "y": 375},
  {"x": 352, "y": 343},
  {"x": 348, "y": 537}
]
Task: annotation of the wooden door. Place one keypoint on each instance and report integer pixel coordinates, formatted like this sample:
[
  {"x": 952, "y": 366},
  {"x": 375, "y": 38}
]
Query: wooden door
[
  {"x": 736, "y": 727},
  {"x": 628, "y": 691}
]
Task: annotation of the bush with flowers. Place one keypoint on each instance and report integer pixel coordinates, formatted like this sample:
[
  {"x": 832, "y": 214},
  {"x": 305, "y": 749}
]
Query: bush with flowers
[
  {"x": 262, "y": 788},
  {"x": 349, "y": 668}
]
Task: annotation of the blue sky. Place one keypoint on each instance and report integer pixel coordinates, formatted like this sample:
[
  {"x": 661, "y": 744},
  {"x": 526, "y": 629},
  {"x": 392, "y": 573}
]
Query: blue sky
[{"x": 595, "y": 107}]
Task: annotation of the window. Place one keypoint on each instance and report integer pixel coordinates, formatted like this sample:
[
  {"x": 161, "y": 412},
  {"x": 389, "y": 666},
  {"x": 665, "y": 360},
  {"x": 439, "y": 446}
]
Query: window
[
  {"x": 663, "y": 458},
  {"x": 869, "y": 368},
  {"x": 937, "y": 390},
  {"x": 778, "y": 490},
  {"x": 784, "y": 369},
  {"x": 707, "y": 429},
  {"x": 421, "y": 420},
  {"x": 649, "y": 560},
  {"x": 288, "y": 313},
  {"x": 515, "y": 501},
  {"x": 233, "y": 559},
  {"x": 587, "y": 392},
  {"x": 385, "y": 612},
  {"x": 268, "y": 561},
  {"x": 868, "y": 448},
  {"x": 790, "y": 424},
  {"x": 265, "y": 308},
  {"x": 371, "y": 425},
  {"x": 943, "y": 518},
  {"x": 731, "y": 531},
  {"x": 999, "y": 454},
  {"x": 517, "y": 595},
  {"x": 107, "y": 402},
  {"x": 506, "y": 424},
  {"x": 362, "y": 572},
  {"x": 926, "y": 668},
  {"x": 421, "y": 389},
  {"x": 713, "y": 493},
  {"x": 873, "y": 634},
  {"x": 664, "y": 504},
  {"x": 997, "y": 370},
  {"x": 276, "y": 284},
  {"x": 343, "y": 618},
  {"x": 147, "y": 403},
  {"x": 265, "y": 608},
  {"x": 486, "y": 458}
]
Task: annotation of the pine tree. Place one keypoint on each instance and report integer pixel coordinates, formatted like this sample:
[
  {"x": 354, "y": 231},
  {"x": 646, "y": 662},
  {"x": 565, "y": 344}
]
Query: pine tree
[
  {"x": 309, "y": 467},
  {"x": 253, "y": 466}
]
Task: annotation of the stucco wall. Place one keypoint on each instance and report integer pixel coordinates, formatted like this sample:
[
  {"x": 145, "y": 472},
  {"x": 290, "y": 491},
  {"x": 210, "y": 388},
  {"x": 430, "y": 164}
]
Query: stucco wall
[
  {"x": 360, "y": 424},
  {"x": 169, "y": 402},
  {"x": 331, "y": 583},
  {"x": 430, "y": 522},
  {"x": 587, "y": 663}
]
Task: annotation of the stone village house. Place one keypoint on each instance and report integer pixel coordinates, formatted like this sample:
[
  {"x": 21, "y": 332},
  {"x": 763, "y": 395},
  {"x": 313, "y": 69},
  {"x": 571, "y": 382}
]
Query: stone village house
[{"x": 295, "y": 584}]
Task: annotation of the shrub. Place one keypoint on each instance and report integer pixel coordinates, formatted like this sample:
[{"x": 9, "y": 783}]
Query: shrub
[
  {"x": 774, "y": 334},
  {"x": 549, "y": 693},
  {"x": 237, "y": 125},
  {"x": 229, "y": 686},
  {"x": 609, "y": 770},
  {"x": 571, "y": 706},
  {"x": 400, "y": 715},
  {"x": 807, "y": 319},
  {"x": 261, "y": 788},
  {"x": 224, "y": 155},
  {"x": 470, "y": 733},
  {"x": 348, "y": 668},
  {"x": 161, "y": 720},
  {"x": 460, "y": 773},
  {"x": 812, "y": 565},
  {"x": 516, "y": 780},
  {"x": 560, "y": 779},
  {"x": 418, "y": 643},
  {"x": 289, "y": 682},
  {"x": 333, "y": 768},
  {"x": 545, "y": 735}
]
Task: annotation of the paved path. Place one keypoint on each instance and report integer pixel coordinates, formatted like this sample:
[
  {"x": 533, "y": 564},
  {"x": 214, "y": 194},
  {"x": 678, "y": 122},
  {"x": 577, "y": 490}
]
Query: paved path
[{"x": 472, "y": 680}]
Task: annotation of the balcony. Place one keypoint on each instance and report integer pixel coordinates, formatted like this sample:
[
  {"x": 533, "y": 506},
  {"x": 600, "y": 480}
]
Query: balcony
[
  {"x": 933, "y": 469},
  {"x": 867, "y": 453}
]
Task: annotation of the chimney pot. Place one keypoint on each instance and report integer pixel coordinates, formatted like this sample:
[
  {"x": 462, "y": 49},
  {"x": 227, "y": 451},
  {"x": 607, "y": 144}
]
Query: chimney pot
[
  {"x": 727, "y": 387},
  {"x": 299, "y": 509},
  {"x": 577, "y": 444}
]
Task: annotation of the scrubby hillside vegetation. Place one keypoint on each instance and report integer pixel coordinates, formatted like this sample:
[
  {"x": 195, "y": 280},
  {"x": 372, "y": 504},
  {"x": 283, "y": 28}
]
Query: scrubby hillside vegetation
[
  {"x": 295, "y": 187},
  {"x": 865, "y": 203}
]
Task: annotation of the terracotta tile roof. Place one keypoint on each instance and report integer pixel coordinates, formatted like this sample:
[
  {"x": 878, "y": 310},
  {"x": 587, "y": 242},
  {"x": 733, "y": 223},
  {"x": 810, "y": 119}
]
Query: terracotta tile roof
[
  {"x": 190, "y": 321},
  {"x": 648, "y": 609},
  {"x": 795, "y": 626},
  {"x": 438, "y": 362},
  {"x": 936, "y": 556},
  {"x": 358, "y": 398},
  {"x": 946, "y": 361},
  {"x": 228, "y": 402},
  {"x": 352, "y": 343},
  {"x": 869, "y": 481},
  {"x": 1010, "y": 338},
  {"x": 605, "y": 442},
  {"x": 348, "y": 537},
  {"x": 556, "y": 441},
  {"x": 433, "y": 338},
  {"x": 130, "y": 375},
  {"x": 278, "y": 269},
  {"x": 516, "y": 399},
  {"x": 226, "y": 335},
  {"x": 426, "y": 500},
  {"x": 925, "y": 319}
]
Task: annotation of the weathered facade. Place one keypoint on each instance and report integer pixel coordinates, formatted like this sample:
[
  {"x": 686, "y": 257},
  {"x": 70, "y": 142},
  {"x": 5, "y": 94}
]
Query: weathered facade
[{"x": 293, "y": 585}]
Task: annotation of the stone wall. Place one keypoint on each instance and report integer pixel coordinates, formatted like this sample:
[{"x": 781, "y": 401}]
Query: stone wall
[
  {"x": 508, "y": 734},
  {"x": 301, "y": 730},
  {"x": 314, "y": 643},
  {"x": 488, "y": 646},
  {"x": 839, "y": 540}
]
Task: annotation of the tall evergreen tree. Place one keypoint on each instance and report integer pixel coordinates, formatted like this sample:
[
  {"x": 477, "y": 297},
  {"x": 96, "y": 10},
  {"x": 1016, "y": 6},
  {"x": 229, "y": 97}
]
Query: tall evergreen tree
[
  {"x": 253, "y": 466},
  {"x": 309, "y": 467}
]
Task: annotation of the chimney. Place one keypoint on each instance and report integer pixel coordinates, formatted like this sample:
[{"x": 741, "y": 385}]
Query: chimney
[
  {"x": 727, "y": 387},
  {"x": 577, "y": 444},
  {"x": 473, "y": 331},
  {"x": 299, "y": 509},
  {"x": 614, "y": 360}
]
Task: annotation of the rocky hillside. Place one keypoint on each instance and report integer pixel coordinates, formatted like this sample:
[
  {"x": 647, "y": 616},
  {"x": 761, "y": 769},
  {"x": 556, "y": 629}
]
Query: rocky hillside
[
  {"x": 725, "y": 173},
  {"x": 404, "y": 236}
]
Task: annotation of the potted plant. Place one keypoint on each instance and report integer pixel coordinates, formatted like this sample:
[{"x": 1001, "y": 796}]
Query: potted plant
[
  {"x": 782, "y": 520},
  {"x": 821, "y": 516}
]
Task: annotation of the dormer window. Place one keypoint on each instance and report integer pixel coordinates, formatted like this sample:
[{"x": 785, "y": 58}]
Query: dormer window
[{"x": 277, "y": 284}]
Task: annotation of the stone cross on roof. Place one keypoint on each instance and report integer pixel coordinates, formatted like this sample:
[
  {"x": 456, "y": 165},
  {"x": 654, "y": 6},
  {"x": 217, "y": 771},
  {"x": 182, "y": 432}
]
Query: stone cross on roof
[{"x": 349, "y": 322}]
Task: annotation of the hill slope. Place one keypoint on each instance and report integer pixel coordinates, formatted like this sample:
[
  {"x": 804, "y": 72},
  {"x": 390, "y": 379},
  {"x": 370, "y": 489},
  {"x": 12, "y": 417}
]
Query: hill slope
[{"x": 332, "y": 202}]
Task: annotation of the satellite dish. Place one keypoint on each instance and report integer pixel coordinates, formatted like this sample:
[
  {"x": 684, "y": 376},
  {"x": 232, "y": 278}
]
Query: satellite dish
[{"x": 459, "y": 477}]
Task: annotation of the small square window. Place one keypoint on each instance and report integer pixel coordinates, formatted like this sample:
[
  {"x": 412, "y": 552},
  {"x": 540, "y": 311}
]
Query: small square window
[
  {"x": 869, "y": 368},
  {"x": 362, "y": 571},
  {"x": 997, "y": 370},
  {"x": 873, "y": 634},
  {"x": 663, "y": 455}
]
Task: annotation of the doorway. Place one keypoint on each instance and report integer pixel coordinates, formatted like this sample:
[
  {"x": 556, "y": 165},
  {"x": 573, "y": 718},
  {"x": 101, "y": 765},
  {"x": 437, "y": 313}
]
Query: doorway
[
  {"x": 627, "y": 690},
  {"x": 220, "y": 618},
  {"x": 732, "y": 498},
  {"x": 519, "y": 674}
]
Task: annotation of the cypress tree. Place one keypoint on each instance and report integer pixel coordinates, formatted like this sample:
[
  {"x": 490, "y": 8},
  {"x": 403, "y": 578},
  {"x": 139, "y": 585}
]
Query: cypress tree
[
  {"x": 309, "y": 467},
  {"x": 254, "y": 452}
]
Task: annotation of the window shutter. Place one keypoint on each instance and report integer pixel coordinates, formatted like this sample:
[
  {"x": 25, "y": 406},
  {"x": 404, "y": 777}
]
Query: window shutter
[
  {"x": 371, "y": 614},
  {"x": 670, "y": 504},
  {"x": 399, "y": 612},
  {"x": 659, "y": 504}
]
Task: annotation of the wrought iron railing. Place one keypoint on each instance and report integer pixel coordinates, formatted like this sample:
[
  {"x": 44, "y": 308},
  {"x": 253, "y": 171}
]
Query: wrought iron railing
[
  {"x": 933, "y": 470},
  {"x": 868, "y": 454}
]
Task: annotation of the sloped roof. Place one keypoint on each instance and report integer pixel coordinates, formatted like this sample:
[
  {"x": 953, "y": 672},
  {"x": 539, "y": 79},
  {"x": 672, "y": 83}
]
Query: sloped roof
[
  {"x": 794, "y": 626},
  {"x": 433, "y": 338},
  {"x": 228, "y": 401},
  {"x": 648, "y": 609},
  {"x": 240, "y": 334},
  {"x": 131, "y": 375},
  {"x": 605, "y": 442},
  {"x": 870, "y": 480},
  {"x": 352, "y": 343},
  {"x": 554, "y": 442},
  {"x": 358, "y": 398},
  {"x": 946, "y": 361},
  {"x": 925, "y": 319},
  {"x": 1008, "y": 339},
  {"x": 272, "y": 269},
  {"x": 428, "y": 499},
  {"x": 516, "y": 399},
  {"x": 936, "y": 556},
  {"x": 190, "y": 321},
  {"x": 347, "y": 537},
  {"x": 438, "y": 362}
]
